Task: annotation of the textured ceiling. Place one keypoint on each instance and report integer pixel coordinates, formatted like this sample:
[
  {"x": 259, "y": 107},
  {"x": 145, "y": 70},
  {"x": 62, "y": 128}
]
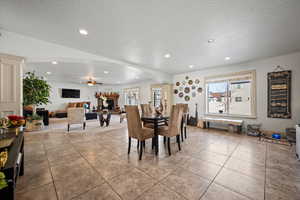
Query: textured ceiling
[{"x": 141, "y": 32}]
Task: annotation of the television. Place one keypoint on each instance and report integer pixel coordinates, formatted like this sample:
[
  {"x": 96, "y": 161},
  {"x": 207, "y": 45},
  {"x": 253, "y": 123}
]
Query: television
[{"x": 70, "y": 93}]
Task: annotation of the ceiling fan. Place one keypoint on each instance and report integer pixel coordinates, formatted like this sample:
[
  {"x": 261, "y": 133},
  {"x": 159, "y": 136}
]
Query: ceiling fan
[{"x": 91, "y": 82}]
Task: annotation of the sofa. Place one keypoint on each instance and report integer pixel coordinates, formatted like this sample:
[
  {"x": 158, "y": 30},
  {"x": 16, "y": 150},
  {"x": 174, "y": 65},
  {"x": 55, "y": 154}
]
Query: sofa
[{"x": 63, "y": 113}]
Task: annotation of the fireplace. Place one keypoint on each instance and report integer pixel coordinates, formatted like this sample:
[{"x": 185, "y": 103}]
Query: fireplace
[
  {"x": 110, "y": 103},
  {"x": 111, "y": 99}
]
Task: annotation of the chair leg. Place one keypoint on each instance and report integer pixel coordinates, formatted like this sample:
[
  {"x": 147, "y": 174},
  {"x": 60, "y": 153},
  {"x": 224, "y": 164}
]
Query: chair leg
[
  {"x": 138, "y": 144},
  {"x": 169, "y": 148},
  {"x": 178, "y": 141},
  {"x": 68, "y": 127},
  {"x": 144, "y": 144},
  {"x": 141, "y": 151},
  {"x": 164, "y": 139},
  {"x": 185, "y": 132},
  {"x": 84, "y": 124},
  {"x": 153, "y": 142},
  {"x": 129, "y": 144},
  {"x": 181, "y": 130}
]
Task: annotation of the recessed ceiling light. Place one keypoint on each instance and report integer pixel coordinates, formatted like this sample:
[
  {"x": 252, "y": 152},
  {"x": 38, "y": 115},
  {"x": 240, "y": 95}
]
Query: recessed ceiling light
[
  {"x": 49, "y": 73},
  {"x": 211, "y": 40},
  {"x": 167, "y": 55},
  {"x": 105, "y": 72},
  {"x": 83, "y": 32},
  {"x": 191, "y": 66},
  {"x": 54, "y": 62},
  {"x": 227, "y": 58}
]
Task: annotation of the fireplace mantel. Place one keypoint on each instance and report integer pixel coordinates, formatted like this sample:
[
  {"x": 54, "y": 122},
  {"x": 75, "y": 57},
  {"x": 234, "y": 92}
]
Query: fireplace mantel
[{"x": 114, "y": 96}]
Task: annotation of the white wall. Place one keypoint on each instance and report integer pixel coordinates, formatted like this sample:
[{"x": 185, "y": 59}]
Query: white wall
[
  {"x": 58, "y": 103},
  {"x": 262, "y": 67},
  {"x": 145, "y": 93},
  {"x": 88, "y": 93}
]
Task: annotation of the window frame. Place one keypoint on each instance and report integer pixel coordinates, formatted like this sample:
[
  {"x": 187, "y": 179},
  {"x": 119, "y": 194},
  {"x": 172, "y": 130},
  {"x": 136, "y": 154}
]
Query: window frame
[
  {"x": 134, "y": 89},
  {"x": 226, "y": 78}
]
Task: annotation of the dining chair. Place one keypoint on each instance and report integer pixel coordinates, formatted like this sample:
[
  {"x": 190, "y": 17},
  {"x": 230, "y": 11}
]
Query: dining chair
[
  {"x": 183, "y": 126},
  {"x": 135, "y": 128},
  {"x": 76, "y": 116},
  {"x": 173, "y": 128},
  {"x": 146, "y": 109}
]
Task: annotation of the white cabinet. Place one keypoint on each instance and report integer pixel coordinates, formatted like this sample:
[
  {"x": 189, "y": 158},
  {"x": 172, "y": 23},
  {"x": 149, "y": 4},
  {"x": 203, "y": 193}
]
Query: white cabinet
[{"x": 11, "y": 72}]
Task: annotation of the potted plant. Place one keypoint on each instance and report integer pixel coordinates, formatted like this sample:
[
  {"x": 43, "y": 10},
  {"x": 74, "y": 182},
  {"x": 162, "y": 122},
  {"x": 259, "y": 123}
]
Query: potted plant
[{"x": 36, "y": 91}]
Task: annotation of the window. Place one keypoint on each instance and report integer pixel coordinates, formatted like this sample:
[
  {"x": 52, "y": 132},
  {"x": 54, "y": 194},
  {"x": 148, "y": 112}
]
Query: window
[
  {"x": 131, "y": 96},
  {"x": 232, "y": 94},
  {"x": 156, "y": 95}
]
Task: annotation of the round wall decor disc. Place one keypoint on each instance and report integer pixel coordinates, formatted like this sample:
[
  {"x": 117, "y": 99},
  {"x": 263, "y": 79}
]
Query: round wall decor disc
[
  {"x": 199, "y": 90},
  {"x": 187, "y": 90},
  {"x": 186, "y": 98}
]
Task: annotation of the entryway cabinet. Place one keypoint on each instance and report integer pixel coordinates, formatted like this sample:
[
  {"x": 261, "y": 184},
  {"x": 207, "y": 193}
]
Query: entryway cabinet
[{"x": 11, "y": 72}]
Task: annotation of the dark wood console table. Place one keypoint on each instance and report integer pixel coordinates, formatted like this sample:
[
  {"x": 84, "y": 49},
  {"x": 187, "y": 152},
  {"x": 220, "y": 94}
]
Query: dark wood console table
[{"x": 14, "y": 166}]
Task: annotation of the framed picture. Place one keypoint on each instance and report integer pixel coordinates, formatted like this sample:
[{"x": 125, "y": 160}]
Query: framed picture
[{"x": 279, "y": 94}]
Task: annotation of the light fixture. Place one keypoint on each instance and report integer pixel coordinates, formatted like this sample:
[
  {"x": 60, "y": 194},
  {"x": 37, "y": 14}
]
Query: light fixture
[
  {"x": 211, "y": 40},
  {"x": 191, "y": 66},
  {"x": 54, "y": 62},
  {"x": 105, "y": 72},
  {"x": 227, "y": 58},
  {"x": 91, "y": 83},
  {"x": 83, "y": 32},
  {"x": 167, "y": 55},
  {"x": 49, "y": 73}
]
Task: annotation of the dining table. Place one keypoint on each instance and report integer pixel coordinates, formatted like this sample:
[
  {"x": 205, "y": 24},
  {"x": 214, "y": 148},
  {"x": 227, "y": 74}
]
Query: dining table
[{"x": 157, "y": 120}]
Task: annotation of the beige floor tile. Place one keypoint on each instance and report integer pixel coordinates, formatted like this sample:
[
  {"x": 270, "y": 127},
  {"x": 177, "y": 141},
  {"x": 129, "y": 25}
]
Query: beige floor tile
[
  {"x": 132, "y": 184},
  {"x": 160, "y": 192},
  {"x": 46, "y": 192},
  {"x": 279, "y": 192},
  {"x": 34, "y": 176},
  {"x": 102, "y": 192},
  {"x": 112, "y": 168},
  {"x": 187, "y": 184},
  {"x": 247, "y": 168},
  {"x": 255, "y": 157},
  {"x": 202, "y": 168},
  {"x": 218, "y": 192},
  {"x": 246, "y": 185},
  {"x": 72, "y": 186},
  {"x": 212, "y": 157}
]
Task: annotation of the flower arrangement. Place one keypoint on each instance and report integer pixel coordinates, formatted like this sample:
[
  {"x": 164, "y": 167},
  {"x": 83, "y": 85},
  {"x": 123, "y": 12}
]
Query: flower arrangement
[{"x": 12, "y": 121}]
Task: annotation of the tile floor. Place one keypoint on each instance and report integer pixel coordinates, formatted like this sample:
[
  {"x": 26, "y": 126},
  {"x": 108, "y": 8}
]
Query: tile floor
[{"x": 213, "y": 165}]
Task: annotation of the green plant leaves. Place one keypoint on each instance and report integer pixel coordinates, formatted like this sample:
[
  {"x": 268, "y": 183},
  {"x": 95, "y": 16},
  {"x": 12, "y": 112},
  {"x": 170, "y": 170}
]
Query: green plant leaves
[{"x": 36, "y": 90}]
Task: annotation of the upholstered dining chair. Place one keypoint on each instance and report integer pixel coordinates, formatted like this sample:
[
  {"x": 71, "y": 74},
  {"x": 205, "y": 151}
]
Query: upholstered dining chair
[
  {"x": 173, "y": 128},
  {"x": 183, "y": 126},
  {"x": 76, "y": 116},
  {"x": 135, "y": 128},
  {"x": 146, "y": 109}
]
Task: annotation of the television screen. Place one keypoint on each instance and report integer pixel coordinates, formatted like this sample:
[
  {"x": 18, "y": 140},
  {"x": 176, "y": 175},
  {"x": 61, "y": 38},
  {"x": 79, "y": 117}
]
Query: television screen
[{"x": 70, "y": 93}]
